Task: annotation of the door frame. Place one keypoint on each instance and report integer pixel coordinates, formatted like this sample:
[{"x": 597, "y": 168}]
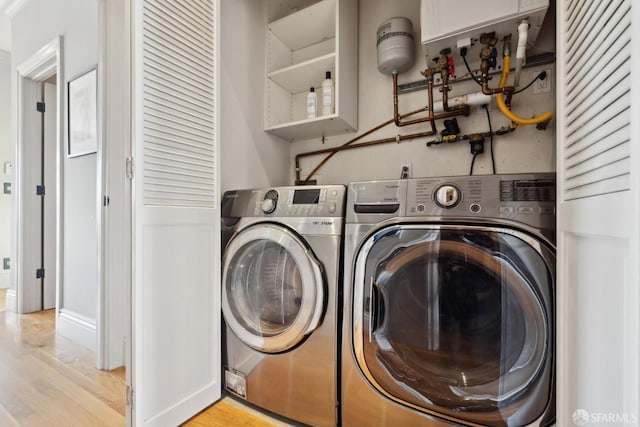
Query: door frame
[
  {"x": 45, "y": 63},
  {"x": 114, "y": 210},
  {"x": 113, "y": 226}
]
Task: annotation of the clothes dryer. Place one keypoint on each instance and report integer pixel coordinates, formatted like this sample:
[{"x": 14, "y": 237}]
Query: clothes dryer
[
  {"x": 449, "y": 302},
  {"x": 280, "y": 294}
]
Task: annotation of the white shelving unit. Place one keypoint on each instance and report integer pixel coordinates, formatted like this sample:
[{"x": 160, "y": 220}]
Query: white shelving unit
[{"x": 300, "y": 48}]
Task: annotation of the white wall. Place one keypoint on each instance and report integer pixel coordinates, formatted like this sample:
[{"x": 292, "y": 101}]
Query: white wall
[
  {"x": 253, "y": 158},
  {"x": 524, "y": 150},
  {"x": 5, "y": 32},
  {"x": 34, "y": 26},
  {"x": 6, "y": 201},
  {"x": 250, "y": 158}
]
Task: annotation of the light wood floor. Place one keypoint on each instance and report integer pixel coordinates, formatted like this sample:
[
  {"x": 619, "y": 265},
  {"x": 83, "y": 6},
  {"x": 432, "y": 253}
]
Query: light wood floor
[{"x": 46, "y": 380}]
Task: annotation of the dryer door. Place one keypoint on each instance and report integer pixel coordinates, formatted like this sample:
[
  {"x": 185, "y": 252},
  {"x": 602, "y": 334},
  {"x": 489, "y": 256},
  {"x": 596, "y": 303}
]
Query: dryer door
[
  {"x": 272, "y": 288},
  {"x": 457, "y": 321}
]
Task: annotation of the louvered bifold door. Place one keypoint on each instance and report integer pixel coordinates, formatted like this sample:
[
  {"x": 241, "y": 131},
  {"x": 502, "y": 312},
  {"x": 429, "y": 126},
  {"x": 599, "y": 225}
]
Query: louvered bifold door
[
  {"x": 176, "y": 302},
  {"x": 598, "y": 211}
]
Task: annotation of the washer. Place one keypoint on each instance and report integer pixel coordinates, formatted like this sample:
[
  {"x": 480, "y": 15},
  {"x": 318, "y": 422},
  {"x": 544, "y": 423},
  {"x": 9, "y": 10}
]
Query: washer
[
  {"x": 280, "y": 290},
  {"x": 449, "y": 302}
]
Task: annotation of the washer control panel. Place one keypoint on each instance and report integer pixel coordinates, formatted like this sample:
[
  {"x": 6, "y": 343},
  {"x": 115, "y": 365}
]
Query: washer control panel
[{"x": 527, "y": 198}]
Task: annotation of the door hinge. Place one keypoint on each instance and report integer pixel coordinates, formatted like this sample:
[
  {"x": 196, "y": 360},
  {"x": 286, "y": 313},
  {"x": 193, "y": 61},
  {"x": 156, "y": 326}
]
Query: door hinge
[
  {"x": 106, "y": 200},
  {"x": 129, "y": 167},
  {"x": 130, "y": 397},
  {"x": 40, "y": 107},
  {"x": 40, "y": 273},
  {"x": 39, "y": 190}
]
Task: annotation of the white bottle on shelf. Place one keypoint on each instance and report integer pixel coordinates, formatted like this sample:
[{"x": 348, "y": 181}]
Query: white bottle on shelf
[
  {"x": 328, "y": 102},
  {"x": 312, "y": 104}
]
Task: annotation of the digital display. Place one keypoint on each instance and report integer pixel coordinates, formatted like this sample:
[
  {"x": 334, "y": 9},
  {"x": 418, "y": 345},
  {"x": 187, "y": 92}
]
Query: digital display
[{"x": 306, "y": 197}]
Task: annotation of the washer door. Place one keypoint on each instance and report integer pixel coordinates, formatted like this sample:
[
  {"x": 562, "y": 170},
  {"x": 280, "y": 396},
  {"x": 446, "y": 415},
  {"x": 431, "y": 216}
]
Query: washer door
[
  {"x": 272, "y": 288},
  {"x": 457, "y": 321}
]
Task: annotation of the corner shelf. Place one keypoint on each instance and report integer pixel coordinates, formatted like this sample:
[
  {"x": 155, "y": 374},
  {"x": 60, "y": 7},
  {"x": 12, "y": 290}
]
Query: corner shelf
[{"x": 300, "y": 48}]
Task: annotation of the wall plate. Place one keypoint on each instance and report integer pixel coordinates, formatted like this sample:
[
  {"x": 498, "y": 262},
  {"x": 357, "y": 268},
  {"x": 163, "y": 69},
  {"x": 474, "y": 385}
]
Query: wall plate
[{"x": 542, "y": 86}]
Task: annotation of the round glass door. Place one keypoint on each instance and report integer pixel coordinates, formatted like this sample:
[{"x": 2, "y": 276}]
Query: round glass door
[
  {"x": 272, "y": 293},
  {"x": 457, "y": 321}
]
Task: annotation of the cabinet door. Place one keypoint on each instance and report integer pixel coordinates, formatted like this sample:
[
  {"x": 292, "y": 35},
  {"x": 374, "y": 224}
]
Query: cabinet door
[
  {"x": 598, "y": 210},
  {"x": 176, "y": 284}
]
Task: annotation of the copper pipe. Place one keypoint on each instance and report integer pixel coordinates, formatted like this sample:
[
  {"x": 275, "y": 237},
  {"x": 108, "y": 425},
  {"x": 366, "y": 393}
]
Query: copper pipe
[
  {"x": 396, "y": 115},
  {"x": 369, "y": 143},
  {"x": 397, "y": 119},
  {"x": 351, "y": 141},
  {"x": 335, "y": 150},
  {"x": 432, "y": 117},
  {"x": 498, "y": 132},
  {"x": 494, "y": 91},
  {"x": 430, "y": 100},
  {"x": 445, "y": 97},
  {"x": 484, "y": 67},
  {"x": 443, "y": 65}
]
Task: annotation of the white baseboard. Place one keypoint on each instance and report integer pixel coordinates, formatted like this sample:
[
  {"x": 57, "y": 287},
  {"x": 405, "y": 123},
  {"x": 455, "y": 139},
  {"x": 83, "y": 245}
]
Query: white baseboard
[
  {"x": 77, "y": 328},
  {"x": 11, "y": 300},
  {"x": 4, "y": 279}
]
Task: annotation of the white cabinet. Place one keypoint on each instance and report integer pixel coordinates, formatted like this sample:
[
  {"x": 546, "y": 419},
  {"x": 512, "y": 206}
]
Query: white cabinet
[{"x": 300, "y": 48}]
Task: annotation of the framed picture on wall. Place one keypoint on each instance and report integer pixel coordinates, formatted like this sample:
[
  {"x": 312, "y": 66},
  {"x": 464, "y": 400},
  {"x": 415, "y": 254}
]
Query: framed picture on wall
[{"x": 82, "y": 113}]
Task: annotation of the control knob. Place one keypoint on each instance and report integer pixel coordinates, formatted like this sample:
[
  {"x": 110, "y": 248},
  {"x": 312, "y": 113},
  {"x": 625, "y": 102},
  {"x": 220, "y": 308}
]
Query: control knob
[
  {"x": 447, "y": 196},
  {"x": 268, "y": 205}
]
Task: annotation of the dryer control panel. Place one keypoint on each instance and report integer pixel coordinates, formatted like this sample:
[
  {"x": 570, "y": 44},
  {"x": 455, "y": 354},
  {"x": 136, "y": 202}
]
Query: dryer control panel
[{"x": 300, "y": 201}]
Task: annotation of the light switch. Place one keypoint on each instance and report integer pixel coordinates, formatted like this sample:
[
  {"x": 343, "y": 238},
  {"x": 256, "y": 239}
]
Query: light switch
[{"x": 8, "y": 168}]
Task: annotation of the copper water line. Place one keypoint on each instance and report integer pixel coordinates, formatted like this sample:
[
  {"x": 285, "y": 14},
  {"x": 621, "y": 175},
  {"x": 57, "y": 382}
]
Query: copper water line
[
  {"x": 333, "y": 151},
  {"x": 397, "y": 119},
  {"x": 397, "y": 138},
  {"x": 485, "y": 54},
  {"x": 431, "y": 117},
  {"x": 443, "y": 65}
]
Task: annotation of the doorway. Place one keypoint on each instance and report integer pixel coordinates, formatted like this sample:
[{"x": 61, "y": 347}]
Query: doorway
[{"x": 38, "y": 176}]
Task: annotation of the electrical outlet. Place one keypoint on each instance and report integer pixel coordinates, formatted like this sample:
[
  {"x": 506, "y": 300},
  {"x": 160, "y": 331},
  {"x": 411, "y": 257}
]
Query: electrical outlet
[
  {"x": 6, "y": 263},
  {"x": 405, "y": 171},
  {"x": 542, "y": 86}
]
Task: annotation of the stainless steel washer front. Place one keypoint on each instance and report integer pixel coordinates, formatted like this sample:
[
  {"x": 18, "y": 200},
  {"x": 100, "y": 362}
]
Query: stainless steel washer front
[{"x": 449, "y": 308}]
